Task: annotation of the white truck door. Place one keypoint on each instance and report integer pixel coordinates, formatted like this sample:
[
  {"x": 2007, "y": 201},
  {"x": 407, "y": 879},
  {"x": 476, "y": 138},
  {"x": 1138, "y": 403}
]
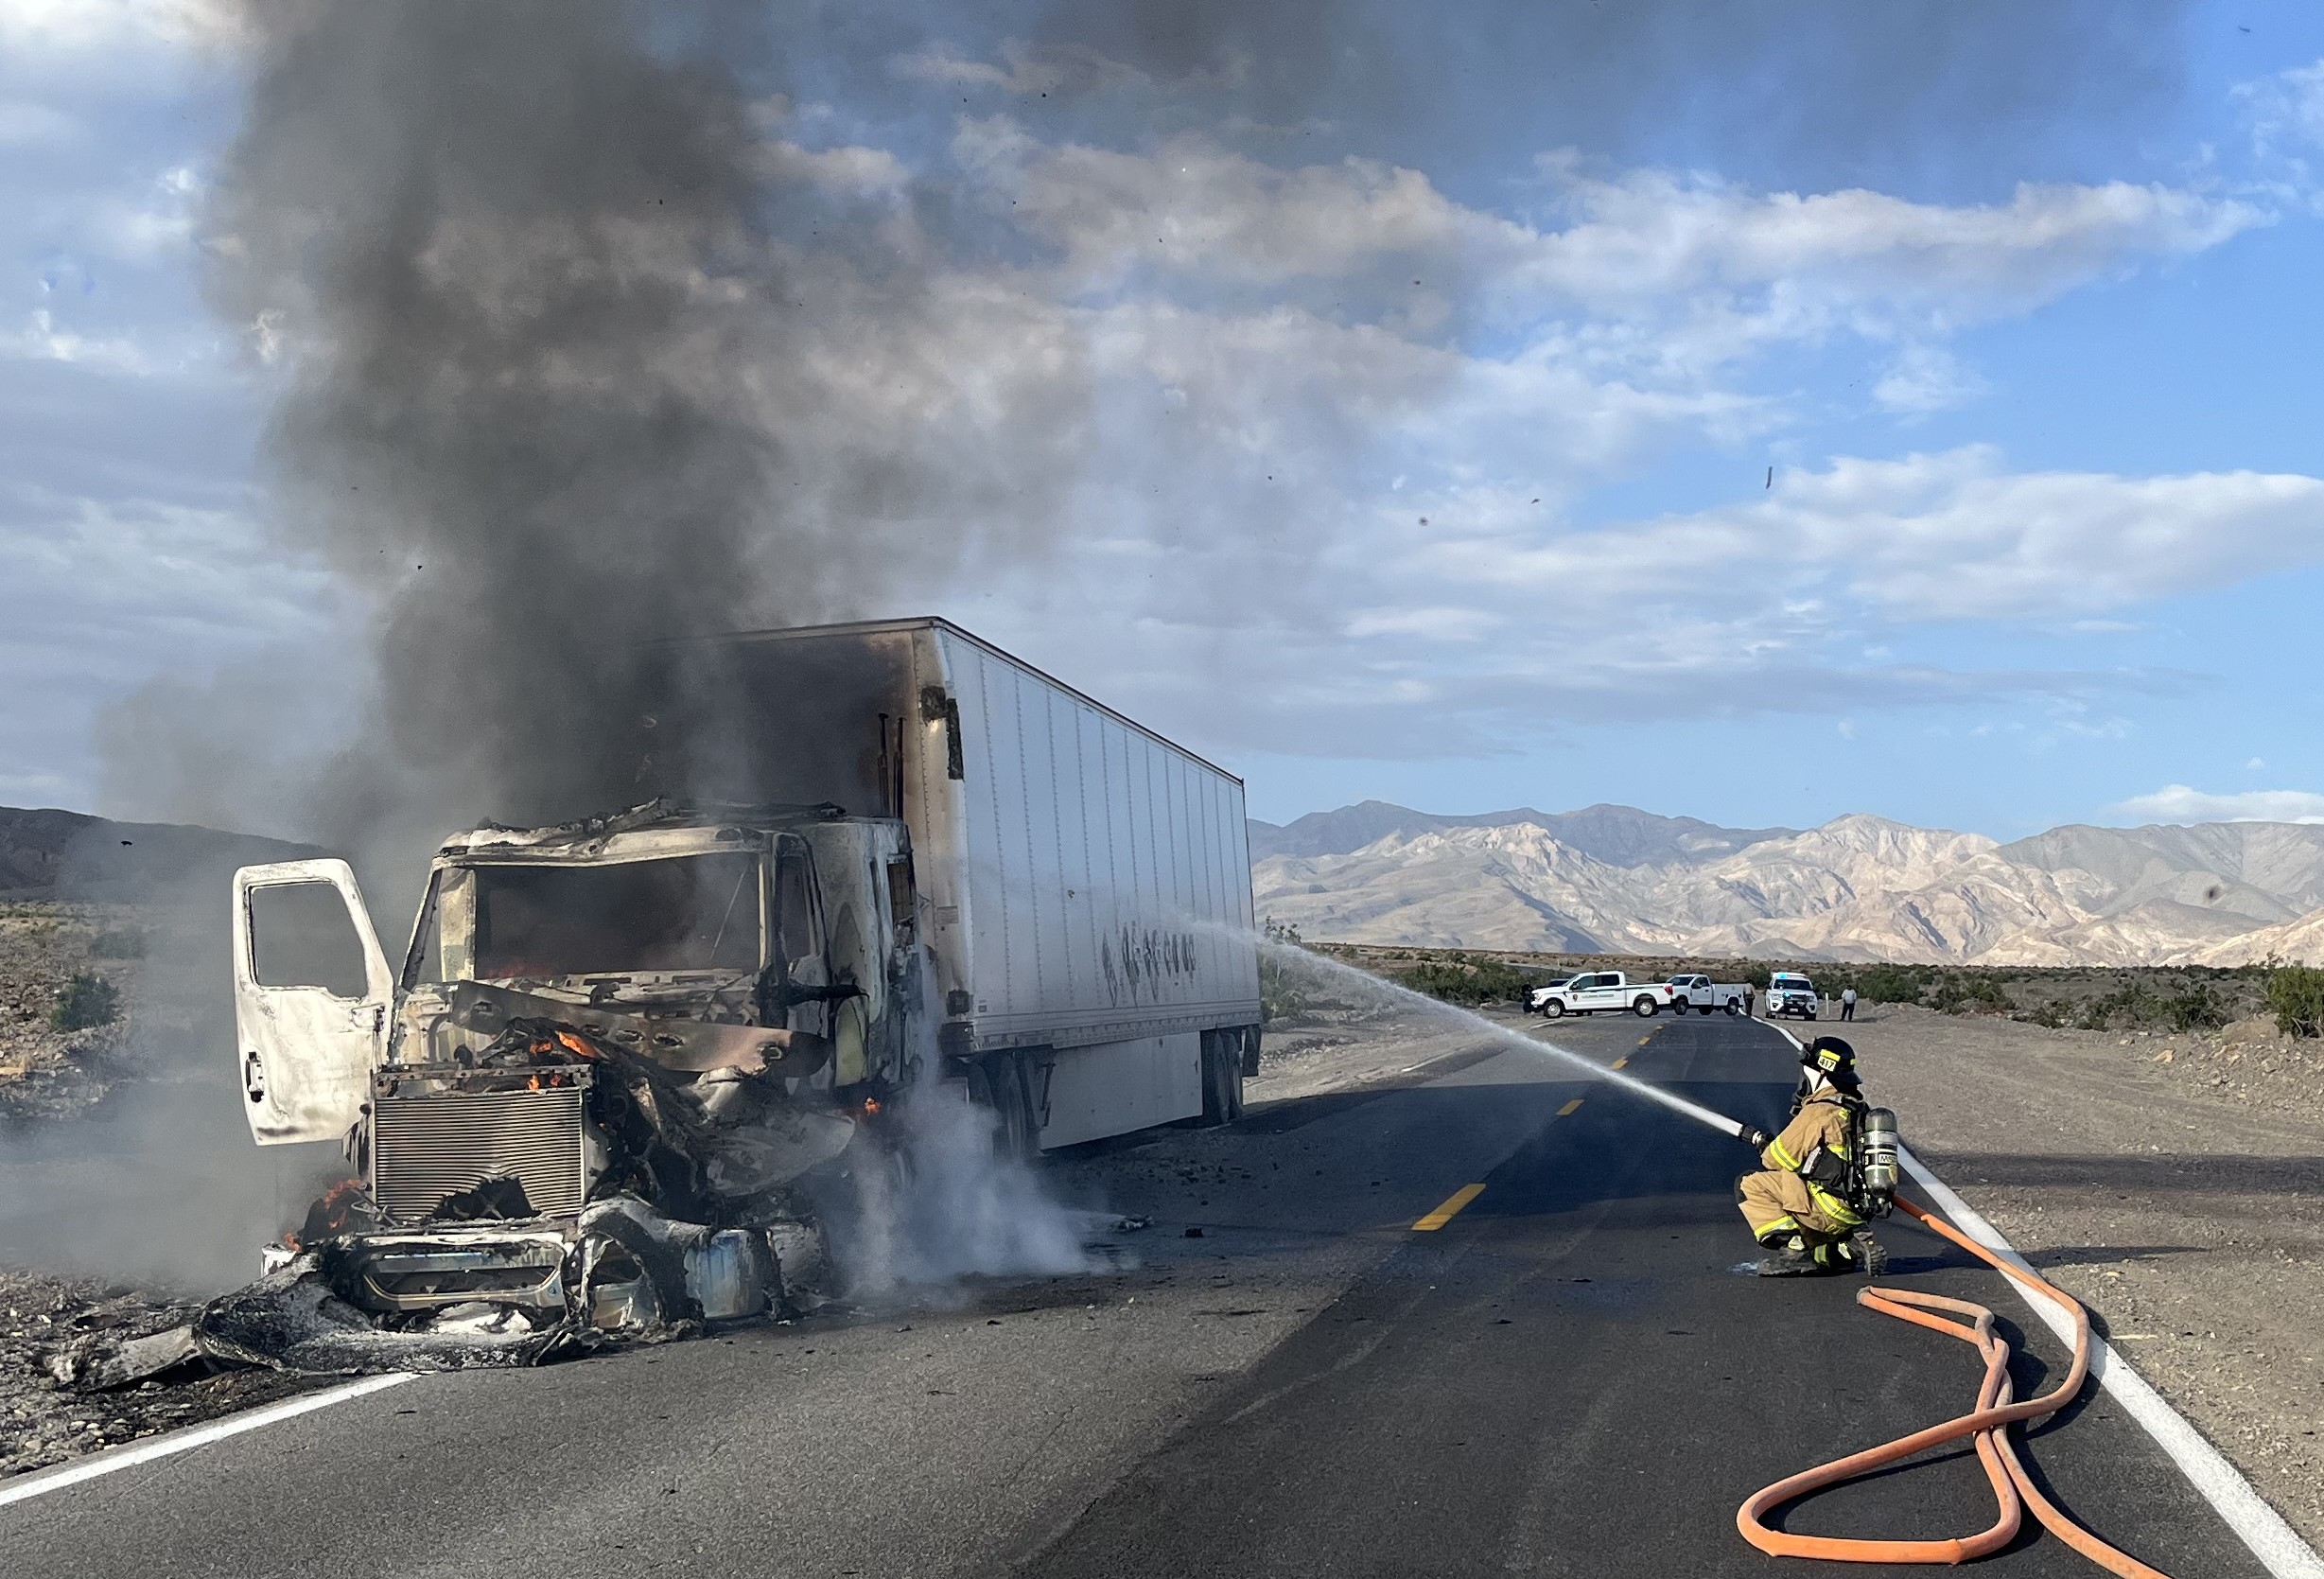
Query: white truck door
[{"x": 312, "y": 991}]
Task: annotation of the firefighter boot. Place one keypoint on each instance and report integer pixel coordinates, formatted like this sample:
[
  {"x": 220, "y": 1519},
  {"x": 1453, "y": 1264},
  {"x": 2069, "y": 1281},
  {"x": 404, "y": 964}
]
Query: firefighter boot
[
  {"x": 1860, "y": 1253},
  {"x": 1791, "y": 1258}
]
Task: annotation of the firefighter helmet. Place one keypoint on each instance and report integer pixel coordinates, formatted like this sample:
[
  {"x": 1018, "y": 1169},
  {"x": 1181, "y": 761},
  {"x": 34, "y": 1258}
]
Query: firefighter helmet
[{"x": 1831, "y": 1058}]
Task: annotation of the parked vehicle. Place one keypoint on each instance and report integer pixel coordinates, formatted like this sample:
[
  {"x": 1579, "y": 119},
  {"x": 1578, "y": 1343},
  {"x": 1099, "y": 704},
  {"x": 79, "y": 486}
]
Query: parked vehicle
[
  {"x": 1791, "y": 993},
  {"x": 1597, "y": 991},
  {"x": 1535, "y": 997},
  {"x": 613, "y": 1046},
  {"x": 1704, "y": 995}
]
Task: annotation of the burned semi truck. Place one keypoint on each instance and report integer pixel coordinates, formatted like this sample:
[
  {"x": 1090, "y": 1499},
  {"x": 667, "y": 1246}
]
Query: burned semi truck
[{"x": 915, "y": 868}]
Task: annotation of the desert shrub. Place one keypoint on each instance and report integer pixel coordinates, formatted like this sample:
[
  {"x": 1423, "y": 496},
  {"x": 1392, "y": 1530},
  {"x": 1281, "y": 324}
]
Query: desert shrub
[
  {"x": 84, "y": 1002},
  {"x": 1463, "y": 980},
  {"x": 1281, "y": 997},
  {"x": 119, "y": 942},
  {"x": 2296, "y": 998},
  {"x": 2184, "y": 1005},
  {"x": 2051, "y": 1015},
  {"x": 2196, "y": 1006},
  {"x": 1893, "y": 984},
  {"x": 1970, "y": 995}
]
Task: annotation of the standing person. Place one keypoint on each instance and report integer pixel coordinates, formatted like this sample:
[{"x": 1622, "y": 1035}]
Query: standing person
[
  {"x": 1748, "y": 991},
  {"x": 1798, "y": 1206},
  {"x": 1847, "y": 1002}
]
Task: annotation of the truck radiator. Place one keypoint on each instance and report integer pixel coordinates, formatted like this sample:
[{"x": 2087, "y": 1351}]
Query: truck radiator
[{"x": 428, "y": 1146}]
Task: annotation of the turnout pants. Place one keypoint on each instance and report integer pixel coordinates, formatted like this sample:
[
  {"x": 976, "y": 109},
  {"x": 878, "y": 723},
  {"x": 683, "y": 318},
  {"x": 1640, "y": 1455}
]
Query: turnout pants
[{"x": 1778, "y": 1206}]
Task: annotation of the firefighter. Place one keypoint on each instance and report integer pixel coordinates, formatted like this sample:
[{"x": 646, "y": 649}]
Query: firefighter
[{"x": 1800, "y": 1206}]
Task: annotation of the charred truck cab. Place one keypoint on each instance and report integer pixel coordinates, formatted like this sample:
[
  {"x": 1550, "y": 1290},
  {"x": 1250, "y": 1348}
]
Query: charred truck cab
[{"x": 616, "y": 1047}]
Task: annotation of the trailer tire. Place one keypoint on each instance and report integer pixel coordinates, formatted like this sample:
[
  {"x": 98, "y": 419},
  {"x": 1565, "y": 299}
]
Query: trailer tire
[
  {"x": 996, "y": 1084},
  {"x": 1646, "y": 1009},
  {"x": 1222, "y": 1080}
]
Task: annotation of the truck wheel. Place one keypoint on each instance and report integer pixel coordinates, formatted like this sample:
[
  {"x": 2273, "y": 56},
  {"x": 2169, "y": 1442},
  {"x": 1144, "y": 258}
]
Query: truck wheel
[
  {"x": 1733, "y": 1008},
  {"x": 997, "y": 1085},
  {"x": 1552, "y": 1009},
  {"x": 1704, "y": 1008},
  {"x": 1678, "y": 1006},
  {"x": 1222, "y": 1080},
  {"x": 1646, "y": 1009}
]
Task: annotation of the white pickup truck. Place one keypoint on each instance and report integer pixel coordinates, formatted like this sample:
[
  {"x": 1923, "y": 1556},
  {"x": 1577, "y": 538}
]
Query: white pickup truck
[
  {"x": 1595, "y": 992},
  {"x": 1789, "y": 992},
  {"x": 1702, "y": 994}
]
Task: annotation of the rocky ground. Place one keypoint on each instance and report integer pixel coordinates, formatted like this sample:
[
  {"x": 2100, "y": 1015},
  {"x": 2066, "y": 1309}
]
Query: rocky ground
[
  {"x": 2175, "y": 1182},
  {"x": 46, "y": 1073},
  {"x": 43, "y": 1316}
]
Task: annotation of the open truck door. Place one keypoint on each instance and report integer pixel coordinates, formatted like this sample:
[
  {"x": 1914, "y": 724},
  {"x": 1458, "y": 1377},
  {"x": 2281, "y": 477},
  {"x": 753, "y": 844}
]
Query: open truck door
[{"x": 311, "y": 993}]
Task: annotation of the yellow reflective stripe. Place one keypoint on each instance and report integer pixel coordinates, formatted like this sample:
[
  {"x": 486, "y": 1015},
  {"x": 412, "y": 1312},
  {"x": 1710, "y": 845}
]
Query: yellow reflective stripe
[
  {"x": 1787, "y": 1220},
  {"x": 1831, "y": 1205},
  {"x": 1776, "y": 1148}
]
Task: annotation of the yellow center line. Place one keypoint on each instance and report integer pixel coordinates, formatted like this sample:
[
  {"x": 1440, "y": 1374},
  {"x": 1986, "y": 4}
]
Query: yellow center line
[
  {"x": 1622, "y": 1062},
  {"x": 1569, "y": 1107},
  {"x": 1450, "y": 1210}
]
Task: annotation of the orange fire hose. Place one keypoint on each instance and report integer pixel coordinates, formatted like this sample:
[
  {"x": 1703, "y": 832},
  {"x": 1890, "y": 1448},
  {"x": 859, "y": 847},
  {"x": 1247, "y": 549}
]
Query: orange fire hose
[{"x": 1989, "y": 1423}]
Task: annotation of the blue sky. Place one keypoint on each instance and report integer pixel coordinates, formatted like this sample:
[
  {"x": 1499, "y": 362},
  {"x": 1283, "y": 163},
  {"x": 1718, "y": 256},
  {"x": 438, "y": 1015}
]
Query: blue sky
[{"x": 1416, "y": 452}]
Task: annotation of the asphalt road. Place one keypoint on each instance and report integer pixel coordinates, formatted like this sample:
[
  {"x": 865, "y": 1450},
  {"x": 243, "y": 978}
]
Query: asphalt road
[{"x": 1570, "y": 1376}]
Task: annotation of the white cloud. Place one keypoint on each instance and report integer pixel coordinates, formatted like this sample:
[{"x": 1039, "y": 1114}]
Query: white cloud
[
  {"x": 1028, "y": 71},
  {"x": 2286, "y": 111},
  {"x": 42, "y": 340},
  {"x": 95, "y": 27},
  {"x": 1953, "y": 536},
  {"x": 1925, "y": 379},
  {"x": 23, "y": 124},
  {"x": 2254, "y": 765},
  {"x": 2184, "y": 803},
  {"x": 850, "y": 170}
]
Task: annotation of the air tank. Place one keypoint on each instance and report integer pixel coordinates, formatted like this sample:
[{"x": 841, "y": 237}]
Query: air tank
[{"x": 1881, "y": 1145}]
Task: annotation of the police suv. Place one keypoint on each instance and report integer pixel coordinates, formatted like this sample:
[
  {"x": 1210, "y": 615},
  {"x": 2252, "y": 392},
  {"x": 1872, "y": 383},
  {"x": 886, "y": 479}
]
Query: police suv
[{"x": 1789, "y": 992}]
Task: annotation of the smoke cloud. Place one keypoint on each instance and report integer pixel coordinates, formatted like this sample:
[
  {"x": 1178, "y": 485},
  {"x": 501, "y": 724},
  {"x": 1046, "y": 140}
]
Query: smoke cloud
[{"x": 567, "y": 366}]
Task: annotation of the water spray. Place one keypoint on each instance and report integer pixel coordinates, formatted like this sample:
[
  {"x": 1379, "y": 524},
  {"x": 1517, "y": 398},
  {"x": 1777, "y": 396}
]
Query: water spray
[{"x": 1380, "y": 986}]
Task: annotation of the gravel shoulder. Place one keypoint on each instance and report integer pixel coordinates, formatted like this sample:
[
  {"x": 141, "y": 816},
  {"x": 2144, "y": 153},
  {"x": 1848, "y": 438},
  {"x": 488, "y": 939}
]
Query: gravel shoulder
[{"x": 2175, "y": 1184}]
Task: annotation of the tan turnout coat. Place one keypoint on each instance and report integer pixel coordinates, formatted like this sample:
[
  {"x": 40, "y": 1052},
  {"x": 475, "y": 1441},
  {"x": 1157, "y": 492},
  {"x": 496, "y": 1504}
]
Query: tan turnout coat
[{"x": 1783, "y": 1200}]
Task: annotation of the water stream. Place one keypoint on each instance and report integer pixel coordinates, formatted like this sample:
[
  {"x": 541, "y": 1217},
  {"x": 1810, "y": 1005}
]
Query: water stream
[{"x": 1295, "y": 959}]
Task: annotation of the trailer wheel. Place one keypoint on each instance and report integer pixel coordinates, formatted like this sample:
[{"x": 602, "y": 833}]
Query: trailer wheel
[
  {"x": 997, "y": 1085},
  {"x": 1222, "y": 1078},
  {"x": 1646, "y": 1009}
]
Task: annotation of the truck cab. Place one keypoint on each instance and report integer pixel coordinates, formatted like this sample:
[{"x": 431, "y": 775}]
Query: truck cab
[{"x": 683, "y": 1009}]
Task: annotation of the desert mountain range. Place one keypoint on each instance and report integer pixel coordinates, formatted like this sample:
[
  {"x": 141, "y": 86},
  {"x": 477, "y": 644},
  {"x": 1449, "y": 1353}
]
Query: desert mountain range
[{"x": 1616, "y": 880}]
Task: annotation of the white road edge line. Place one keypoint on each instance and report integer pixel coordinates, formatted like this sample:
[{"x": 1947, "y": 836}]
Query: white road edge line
[
  {"x": 2260, "y": 1527},
  {"x": 192, "y": 1437}
]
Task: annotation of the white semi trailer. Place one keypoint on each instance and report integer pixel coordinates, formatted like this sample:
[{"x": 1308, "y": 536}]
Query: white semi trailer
[{"x": 613, "y": 1046}]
